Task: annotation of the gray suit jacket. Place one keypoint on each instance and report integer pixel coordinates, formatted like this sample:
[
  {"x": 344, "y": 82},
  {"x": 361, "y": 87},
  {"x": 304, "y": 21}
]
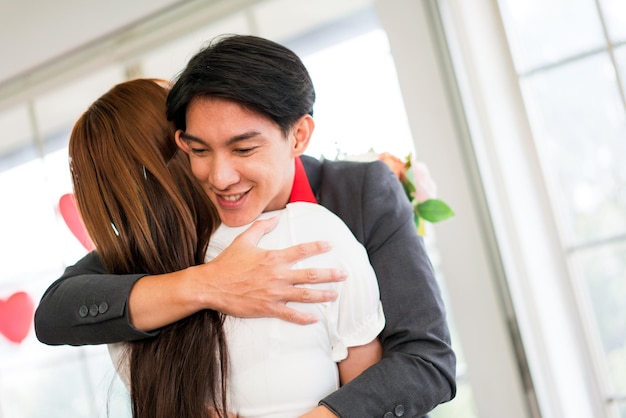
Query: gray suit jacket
[{"x": 88, "y": 306}]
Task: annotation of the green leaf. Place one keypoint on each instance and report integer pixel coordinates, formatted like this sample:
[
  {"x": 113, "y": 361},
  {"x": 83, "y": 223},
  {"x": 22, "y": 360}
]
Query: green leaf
[
  {"x": 409, "y": 188},
  {"x": 409, "y": 184},
  {"x": 416, "y": 220},
  {"x": 434, "y": 210},
  {"x": 407, "y": 163}
]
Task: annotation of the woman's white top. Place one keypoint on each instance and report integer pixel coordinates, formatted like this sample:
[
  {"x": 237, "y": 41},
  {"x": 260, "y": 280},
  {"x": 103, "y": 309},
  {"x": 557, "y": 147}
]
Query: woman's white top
[{"x": 282, "y": 370}]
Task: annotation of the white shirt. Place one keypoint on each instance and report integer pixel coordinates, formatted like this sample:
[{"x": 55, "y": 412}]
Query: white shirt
[{"x": 282, "y": 370}]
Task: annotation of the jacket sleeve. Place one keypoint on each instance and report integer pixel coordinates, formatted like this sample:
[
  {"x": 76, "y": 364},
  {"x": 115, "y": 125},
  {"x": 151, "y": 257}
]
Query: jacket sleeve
[
  {"x": 417, "y": 371},
  {"x": 86, "y": 305}
]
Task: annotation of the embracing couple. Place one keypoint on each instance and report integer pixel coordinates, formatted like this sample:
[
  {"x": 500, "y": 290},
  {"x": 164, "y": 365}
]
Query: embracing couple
[{"x": 235, "y": 276}]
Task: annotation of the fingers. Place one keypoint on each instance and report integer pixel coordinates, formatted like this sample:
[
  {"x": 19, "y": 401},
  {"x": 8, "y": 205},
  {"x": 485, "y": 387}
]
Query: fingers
[
  {"x": 292, "y": 315},
  {"x": 307, "y": 295},
  {"x": 288, "y": 255},
  {"x": 301, "y": 251},
  {"x": 296, "y": 317},
  {"x": 315, "y": 275},
  {"x": 276, "y": 305},
  {"x": 259, "y": 228},
  {"x": 304, "y": 295}
]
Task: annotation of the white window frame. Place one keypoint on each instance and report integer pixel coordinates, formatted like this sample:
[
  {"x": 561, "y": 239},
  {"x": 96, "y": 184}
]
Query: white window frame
[{"x": 502, "y": 259}]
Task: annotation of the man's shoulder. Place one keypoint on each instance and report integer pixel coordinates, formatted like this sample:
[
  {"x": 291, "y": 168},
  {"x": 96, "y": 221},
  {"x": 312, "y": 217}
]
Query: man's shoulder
[
  {"x": 346, "y": 178},
  {"x": 323, "y": 170}
]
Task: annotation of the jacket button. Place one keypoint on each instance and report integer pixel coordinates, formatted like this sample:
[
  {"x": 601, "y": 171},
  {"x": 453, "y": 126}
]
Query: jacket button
[
  {"x": 83, "y": 311},
  {"x": 103, "y": 307},
  {"x": 399, "y": 411},
  {"x": 93, "y": 310},
  {"x": 388, "y": 415}
]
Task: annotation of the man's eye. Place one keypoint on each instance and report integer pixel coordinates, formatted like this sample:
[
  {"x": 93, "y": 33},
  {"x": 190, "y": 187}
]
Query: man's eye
[
  {"x": 198, "y": 151},
  {"x": 244, "y": 150}
]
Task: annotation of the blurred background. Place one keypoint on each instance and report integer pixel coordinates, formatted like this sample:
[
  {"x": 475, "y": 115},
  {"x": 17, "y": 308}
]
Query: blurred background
[{"x": 517, "y": 108}]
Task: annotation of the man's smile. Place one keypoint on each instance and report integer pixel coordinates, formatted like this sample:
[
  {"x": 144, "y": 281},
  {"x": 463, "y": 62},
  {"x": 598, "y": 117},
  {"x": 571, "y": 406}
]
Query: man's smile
[
  {"x": 232, "y": 197},
  {"x": 231, "y": 200}
]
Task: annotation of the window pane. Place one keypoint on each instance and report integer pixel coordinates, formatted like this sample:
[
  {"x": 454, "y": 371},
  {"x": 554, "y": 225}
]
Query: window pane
[
  {"x": 26, "y": 220},
  {"x": 604, "y": 275},
  {"x": 543, "y": 32},
  {"x": 579, "y": 126},
  {"x": 59, "y": 183},
  {"x": 620, "y": 57},
  {"x": 57, "y": 388},
  {"x": 17, "y": 145},
  {"x": 112, "y": 399},
  {"x": 16, "y": 131},
  {"x": 27, "y": 394},
  {"x": 463, "y": 405},
  {"x": 29, "y": 218},
  {"x": 614, "y": 13},
  {"x": 353, "y": 113}
]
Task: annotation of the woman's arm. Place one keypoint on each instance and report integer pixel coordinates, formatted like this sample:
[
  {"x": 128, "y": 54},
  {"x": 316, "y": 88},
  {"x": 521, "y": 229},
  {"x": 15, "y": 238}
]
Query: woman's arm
[{"x": 359, "y": 358}]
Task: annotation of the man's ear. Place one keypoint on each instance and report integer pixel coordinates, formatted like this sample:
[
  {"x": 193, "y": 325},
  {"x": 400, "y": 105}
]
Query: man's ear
[
  {"x": 181, "y": 142},
  {"x": 302, "y": 132}
]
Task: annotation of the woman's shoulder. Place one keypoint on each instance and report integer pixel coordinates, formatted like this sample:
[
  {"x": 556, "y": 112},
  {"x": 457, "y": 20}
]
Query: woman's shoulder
[
  {"x": 305, "y": 213},
  {"x": 310, "y": 221}
]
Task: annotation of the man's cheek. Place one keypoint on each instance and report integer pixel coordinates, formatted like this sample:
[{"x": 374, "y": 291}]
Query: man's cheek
[{"x": 199, "y": 172}]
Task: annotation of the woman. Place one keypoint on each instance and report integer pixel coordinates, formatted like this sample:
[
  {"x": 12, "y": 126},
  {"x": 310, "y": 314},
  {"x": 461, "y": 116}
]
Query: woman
[
  {"x": 123, "y": 161},
  {"x": 145, "y": 213}
]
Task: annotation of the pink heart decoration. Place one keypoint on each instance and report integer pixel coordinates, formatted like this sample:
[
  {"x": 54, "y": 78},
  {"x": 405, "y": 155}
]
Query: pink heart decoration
[
  {"x": 69, "y": 211},
  {"x": 16, "y": 316}
]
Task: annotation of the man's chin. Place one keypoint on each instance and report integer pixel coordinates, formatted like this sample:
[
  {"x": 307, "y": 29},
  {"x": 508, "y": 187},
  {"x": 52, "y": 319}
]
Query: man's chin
[{"x": 233, "y": 220}]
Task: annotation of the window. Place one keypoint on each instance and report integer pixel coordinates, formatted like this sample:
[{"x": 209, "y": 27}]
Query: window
[
  {"x": 541, "y": 93},
  {"x": 36, "y": 246},
  {"x": 569, "y": 57}
]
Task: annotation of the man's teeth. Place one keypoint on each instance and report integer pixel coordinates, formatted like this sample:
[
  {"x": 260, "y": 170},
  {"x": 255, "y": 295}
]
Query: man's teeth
[{"x": 233, "y": 197}]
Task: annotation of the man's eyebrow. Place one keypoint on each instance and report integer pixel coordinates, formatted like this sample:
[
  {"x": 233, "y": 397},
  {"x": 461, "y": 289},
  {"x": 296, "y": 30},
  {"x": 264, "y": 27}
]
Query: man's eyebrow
[
  {"x": 189, "y": 137},
  {"x": 237, "y": 138}
]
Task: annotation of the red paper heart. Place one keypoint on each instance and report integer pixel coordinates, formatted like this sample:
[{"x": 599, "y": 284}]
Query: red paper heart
[
  {"x": 16, "y": 316},
  {"x": 70, "y": 214}
]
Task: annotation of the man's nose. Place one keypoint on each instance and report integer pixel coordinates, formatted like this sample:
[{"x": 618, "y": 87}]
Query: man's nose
[{"x": 223, "y": 173}]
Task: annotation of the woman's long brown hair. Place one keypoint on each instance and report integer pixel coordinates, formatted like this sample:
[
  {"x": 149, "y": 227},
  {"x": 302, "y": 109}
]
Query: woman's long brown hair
[{"x": 145, "y": 213}]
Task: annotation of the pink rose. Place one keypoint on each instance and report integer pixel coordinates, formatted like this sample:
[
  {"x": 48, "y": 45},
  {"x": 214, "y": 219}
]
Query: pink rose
[{"x": 424, "y": 184}]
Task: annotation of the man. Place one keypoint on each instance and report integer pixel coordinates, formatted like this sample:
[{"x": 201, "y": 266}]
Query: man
[{"x": 227, "y": 105}]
